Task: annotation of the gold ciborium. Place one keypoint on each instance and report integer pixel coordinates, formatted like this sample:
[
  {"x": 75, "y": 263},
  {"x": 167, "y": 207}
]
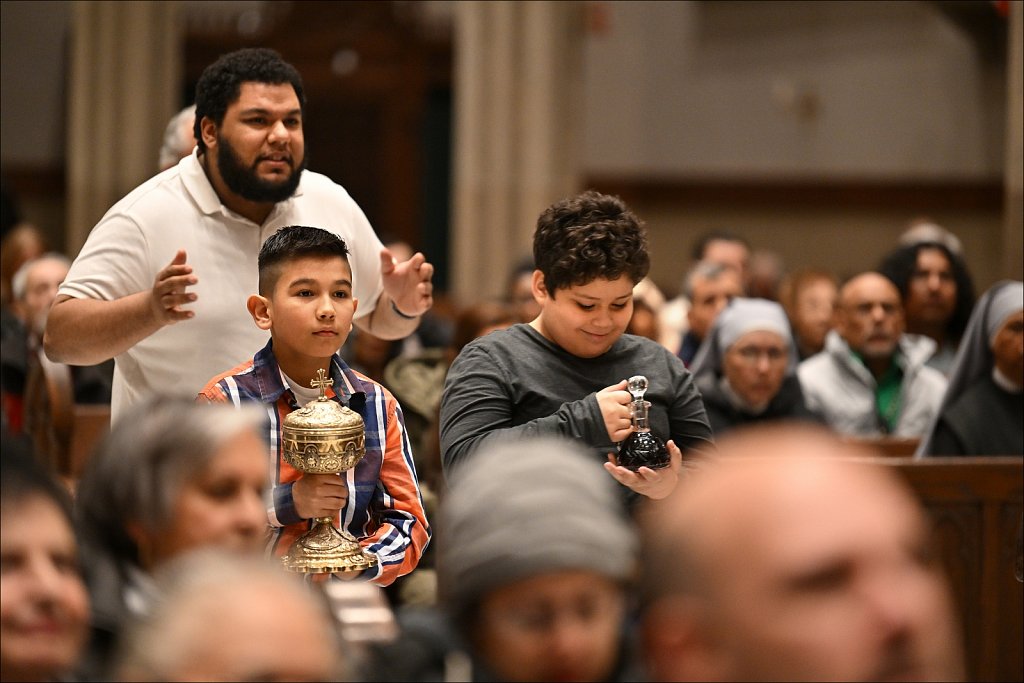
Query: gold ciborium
[{"x": 324, "y": 437}]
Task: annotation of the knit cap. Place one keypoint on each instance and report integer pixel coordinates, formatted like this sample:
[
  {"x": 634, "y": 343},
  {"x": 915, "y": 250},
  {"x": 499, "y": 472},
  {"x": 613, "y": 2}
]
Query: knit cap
[{"x": 520, "y": 509}]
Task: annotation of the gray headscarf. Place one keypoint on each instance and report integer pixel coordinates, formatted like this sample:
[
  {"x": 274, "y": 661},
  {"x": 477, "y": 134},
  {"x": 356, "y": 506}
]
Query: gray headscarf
[
  {"x": 516, "y": 510},
  {"x": 735, "y": 320},
  {"x": 974, "y": 358}
]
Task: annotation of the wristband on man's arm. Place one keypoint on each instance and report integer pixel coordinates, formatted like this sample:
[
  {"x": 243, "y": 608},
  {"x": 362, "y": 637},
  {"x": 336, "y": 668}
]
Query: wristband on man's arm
[{"x": 400, "y": 314}]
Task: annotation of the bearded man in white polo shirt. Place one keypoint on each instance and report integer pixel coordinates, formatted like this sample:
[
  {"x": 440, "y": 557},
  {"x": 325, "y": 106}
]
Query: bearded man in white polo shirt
[{"x": 161, "y": 283}]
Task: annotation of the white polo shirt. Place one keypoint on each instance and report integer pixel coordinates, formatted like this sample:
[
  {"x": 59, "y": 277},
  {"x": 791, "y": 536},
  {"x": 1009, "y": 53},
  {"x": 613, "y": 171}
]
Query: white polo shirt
[{"x": 179, "y": 209}]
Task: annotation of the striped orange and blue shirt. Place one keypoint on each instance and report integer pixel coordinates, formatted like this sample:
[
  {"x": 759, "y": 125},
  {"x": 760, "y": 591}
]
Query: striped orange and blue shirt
[{"x": 384, "y": 508}]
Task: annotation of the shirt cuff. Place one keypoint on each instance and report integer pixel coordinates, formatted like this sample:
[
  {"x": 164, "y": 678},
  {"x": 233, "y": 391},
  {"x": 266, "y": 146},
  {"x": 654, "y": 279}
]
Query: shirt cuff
[{"x": 284, "y": 505}]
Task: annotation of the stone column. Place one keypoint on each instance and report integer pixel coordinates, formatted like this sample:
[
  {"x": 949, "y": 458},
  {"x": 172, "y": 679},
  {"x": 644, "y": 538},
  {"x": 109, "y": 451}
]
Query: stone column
[
  {"x": 124, "y": 83},
  {"x": 518, "y": 87},
  {"x": 1013, "y": 226}
]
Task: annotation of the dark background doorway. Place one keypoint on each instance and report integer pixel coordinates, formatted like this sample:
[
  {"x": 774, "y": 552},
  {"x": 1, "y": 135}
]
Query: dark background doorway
[{"x": 378, "y": 82}]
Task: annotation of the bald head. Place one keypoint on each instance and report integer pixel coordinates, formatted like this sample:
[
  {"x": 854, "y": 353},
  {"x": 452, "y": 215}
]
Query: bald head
[
  {"x": 869, "y": 316},
  {"x": 869, "y": 282},
  {"x": 782, "y": 560}
]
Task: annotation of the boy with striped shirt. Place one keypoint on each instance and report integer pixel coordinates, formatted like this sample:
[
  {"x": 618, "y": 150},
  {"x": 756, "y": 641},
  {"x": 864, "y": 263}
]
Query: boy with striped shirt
[{"x": 305, "y": 301}]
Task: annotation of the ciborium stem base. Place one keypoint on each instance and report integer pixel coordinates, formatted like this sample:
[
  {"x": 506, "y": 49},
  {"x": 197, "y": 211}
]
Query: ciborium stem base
[{"x": 324, "y": 549}]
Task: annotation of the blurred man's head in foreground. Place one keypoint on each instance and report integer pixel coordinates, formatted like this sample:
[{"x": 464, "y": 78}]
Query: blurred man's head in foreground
[{"x": 783, "y": 560}]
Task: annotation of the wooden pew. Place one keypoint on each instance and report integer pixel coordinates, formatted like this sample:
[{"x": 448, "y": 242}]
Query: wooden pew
[
  {"x": 976, "y": 507},
  {"x": 888, "y": 446},
  {"x": 64, "y": 433}
]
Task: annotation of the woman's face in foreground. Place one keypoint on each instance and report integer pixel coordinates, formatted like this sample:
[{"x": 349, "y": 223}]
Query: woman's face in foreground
[{"x": 44, "y": 606}]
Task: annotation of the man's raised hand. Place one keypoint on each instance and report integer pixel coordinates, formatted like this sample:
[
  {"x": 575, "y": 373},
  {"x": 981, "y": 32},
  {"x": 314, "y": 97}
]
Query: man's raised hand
[
  {"x": 170, "y": 291},
  {"x": 408, "y": 283}
]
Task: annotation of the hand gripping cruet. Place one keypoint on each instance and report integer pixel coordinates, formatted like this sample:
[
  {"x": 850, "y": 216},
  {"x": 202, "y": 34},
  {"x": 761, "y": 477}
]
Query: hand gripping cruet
[{"x": 641, "y": 448}]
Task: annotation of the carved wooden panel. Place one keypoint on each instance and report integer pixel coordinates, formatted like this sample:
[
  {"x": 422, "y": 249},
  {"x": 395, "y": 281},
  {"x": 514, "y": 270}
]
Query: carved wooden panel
[{"x": 976, "y": 507}]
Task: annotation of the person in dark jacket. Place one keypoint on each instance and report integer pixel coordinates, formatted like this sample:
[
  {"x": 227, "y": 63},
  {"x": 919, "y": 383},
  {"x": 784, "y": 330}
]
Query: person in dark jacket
[{"x": 746, "y": 368}]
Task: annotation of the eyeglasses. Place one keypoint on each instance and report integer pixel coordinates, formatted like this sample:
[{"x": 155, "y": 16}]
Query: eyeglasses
[{"x": 752, "y": 354}]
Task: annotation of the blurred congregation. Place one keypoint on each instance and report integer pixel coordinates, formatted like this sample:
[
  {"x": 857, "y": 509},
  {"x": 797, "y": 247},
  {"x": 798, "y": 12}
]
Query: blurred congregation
[{"x": 780, "y": 241}]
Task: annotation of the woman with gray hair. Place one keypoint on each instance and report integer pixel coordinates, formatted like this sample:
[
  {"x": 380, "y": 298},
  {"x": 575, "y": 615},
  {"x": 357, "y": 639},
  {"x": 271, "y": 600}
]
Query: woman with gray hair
[
  {"x": 746, "y": 368},
  {"x": 171, "y": 476},
  {"x": 179, "y": 138}
]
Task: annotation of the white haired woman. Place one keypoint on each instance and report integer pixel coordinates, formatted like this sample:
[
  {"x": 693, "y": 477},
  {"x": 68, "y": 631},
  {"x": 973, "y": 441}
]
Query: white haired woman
[{"x": 170, "y": 477}]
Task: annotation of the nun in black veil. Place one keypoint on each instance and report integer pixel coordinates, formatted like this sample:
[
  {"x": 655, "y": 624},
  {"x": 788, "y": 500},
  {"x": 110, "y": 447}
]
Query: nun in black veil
[{"x": 982, "y": 411}]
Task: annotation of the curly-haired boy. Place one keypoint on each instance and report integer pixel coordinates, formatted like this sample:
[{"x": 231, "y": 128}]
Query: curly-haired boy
[{"x": 564, "y": 373}]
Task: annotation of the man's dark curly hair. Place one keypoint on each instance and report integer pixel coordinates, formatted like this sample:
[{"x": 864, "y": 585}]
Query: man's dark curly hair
[
  {"x": 589, "y": 236},
  {"x": 221, "y": 83},
  {"x": 295, "y": 242},
  {"x": 900, "y": 264}
]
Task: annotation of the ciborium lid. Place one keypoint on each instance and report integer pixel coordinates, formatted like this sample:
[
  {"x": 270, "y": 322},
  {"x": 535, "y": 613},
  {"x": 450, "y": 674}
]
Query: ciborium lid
[{"x": 323, "y": 436}]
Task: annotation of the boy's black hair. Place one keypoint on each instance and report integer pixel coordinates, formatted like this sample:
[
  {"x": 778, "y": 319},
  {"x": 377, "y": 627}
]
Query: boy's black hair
[
  {"x": 294, "y": 242},
  {"x": 589, "y": 236},
  {"x": 221, "y": 83}
]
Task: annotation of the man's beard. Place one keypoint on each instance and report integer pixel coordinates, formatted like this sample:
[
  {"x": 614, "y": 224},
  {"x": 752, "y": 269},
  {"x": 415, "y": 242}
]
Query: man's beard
[{"x": 244, "y": 182}]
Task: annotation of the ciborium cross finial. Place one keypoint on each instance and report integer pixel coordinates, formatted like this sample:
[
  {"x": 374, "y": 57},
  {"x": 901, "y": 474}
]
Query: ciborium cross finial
[{"x": 321, "y": 382}]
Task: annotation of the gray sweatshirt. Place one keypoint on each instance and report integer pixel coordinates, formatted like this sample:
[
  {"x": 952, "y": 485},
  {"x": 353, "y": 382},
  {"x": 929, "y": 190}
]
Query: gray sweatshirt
[{"x": 514, "y": 383}]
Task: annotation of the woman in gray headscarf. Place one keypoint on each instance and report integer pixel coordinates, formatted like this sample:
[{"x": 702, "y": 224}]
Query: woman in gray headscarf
[
  {"x": 981, "y": 411},
  {"x": 746, "y": 368}
]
